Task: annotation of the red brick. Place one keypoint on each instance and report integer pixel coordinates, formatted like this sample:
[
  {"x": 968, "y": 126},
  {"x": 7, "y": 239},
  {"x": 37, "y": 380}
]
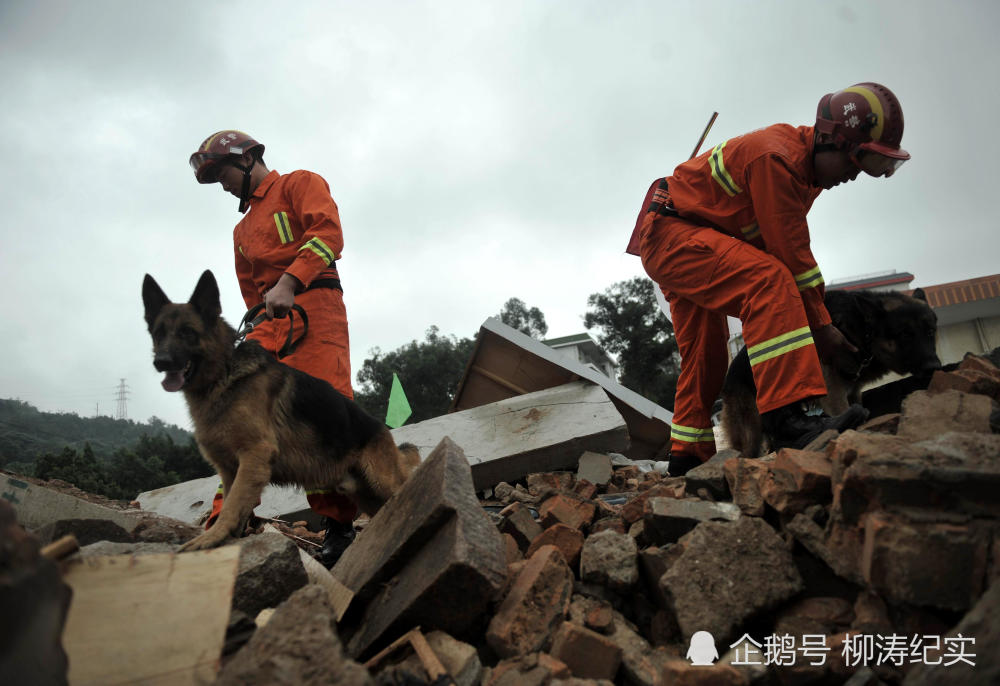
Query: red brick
[
  {"x": 512, "y": 552},
  {"x": 534, "y": 607},
  {"x": 978, "y": 363},
  {"x": 927, "y": 415},
  {"x": 632, "y": 511},
  {"x": 568, "y": 540},
  {"x": 931, "y": 564},
  {"x": 968, "y": 378},
  {"x": 585, "y": 489},
  {"x": 544, "y": 482},
  {"x": 682, "y": 673},
  {"x": 883, "y": 424},
  {"x": 568, "y": 510},
  {"x": 797, "y": 479},
  {"x": 518, "y": 522},
  {"x": 744, "y": 477},
  {"x": 534, "y": 669},
  {"x": 588, "y": 654},
  {"x": 600, "y": 619}
]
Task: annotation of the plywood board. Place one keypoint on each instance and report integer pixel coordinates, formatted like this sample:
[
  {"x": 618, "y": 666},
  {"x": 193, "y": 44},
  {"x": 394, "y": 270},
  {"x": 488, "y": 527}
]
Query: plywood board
[{"x": 150, "y": 619}]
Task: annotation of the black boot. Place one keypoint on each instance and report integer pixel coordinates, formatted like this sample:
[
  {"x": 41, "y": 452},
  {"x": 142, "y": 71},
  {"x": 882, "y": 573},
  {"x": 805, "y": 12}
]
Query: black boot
[
  {"x": 791, "y": 427},
  {"x": 338, "y": 536},
  {"x": 681, "y": 463}
]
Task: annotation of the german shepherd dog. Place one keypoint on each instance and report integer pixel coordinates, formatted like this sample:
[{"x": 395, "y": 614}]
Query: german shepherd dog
[
  {"x": 892, "y": 332},
  {"x": 258, "y": 421}
]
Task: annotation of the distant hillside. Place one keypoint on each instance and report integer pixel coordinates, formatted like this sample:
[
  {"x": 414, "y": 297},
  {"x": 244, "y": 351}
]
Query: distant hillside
[{"x": 26, "y": 433}]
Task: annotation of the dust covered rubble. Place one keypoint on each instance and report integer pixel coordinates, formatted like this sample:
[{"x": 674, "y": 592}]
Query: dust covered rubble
[{"x": 794, "y": 561}]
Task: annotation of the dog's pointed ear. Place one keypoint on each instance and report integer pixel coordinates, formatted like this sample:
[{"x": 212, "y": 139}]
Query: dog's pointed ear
[
  {"x": 153, "y": 298},
  {"x": 205, "y": 298},
  {"x": 920, "y": 295}
]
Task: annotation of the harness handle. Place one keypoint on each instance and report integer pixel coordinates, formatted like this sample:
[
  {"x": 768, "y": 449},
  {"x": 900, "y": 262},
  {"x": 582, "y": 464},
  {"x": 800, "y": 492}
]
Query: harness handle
[{"x": 254, "y": 318}]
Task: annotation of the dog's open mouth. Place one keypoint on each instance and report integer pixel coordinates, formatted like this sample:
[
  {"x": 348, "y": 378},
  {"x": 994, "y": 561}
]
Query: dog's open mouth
[{"x": 175, "y": 380}]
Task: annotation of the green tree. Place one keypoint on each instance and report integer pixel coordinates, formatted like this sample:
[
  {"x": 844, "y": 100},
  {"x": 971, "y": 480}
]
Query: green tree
[
  {"x": 517, "y": 315},
  {"x": 78, "y": 468},
  {"x": 428, "y": 370},
  {"x": 634, "y": 329}
]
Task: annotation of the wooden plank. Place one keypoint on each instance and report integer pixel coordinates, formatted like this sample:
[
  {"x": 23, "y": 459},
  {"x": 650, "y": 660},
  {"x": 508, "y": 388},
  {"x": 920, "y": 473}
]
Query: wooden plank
[{"x": 154, "y": 619}]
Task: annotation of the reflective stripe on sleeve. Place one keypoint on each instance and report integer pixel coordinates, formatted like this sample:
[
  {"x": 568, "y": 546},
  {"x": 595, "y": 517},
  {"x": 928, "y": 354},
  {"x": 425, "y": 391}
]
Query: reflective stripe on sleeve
[
  {"x": 750, "y": 231},
  {"x": 321, "y": 249},
  {"x": 719, "y": 172},
  {"x": 809, "y": 279}
]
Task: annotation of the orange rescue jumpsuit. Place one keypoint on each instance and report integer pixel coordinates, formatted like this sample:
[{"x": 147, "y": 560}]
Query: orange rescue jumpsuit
[
  {"x": 726, "y": 234},
  {"x": 293, "y": 226}
]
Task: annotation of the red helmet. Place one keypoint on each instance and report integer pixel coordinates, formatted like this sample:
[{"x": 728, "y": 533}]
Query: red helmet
[
  {"x": 218, "y": 147},
  {"x": 866, "y": 116}
]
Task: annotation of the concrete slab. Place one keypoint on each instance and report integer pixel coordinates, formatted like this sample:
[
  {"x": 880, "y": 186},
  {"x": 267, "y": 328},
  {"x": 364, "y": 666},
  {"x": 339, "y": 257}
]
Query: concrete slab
[
  {"x": 37, "y": 506},
  {"x": 538, "y": 432},
  {"x": 191, "y": 500}
]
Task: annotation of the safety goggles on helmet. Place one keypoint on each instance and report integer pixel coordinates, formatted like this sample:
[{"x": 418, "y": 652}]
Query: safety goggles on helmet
[
  {"x": 206, "y": 165},
  {"x": 877, "y": 163}
]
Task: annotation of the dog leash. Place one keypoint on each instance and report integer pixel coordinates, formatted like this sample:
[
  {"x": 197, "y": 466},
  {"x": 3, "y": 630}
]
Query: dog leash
[{"x": 254, "y": 318}]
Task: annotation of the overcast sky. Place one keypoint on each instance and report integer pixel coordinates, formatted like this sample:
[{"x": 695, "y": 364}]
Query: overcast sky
[{"x": 477, "y": 150}]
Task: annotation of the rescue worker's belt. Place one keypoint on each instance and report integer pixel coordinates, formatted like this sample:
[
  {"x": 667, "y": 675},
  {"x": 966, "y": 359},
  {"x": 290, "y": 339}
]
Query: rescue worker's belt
[{"x": 661, "y": 203}]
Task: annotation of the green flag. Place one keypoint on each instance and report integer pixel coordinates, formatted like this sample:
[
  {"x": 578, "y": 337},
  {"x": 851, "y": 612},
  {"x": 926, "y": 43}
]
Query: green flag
[{"x": 399, "y": 407}]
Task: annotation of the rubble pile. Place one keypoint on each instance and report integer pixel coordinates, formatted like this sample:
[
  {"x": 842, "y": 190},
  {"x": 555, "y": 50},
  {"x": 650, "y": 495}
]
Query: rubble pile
[{"x": 872, "y": 557}]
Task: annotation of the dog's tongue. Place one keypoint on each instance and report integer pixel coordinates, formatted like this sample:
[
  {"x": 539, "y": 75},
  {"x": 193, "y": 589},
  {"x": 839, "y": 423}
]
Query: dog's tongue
[{"x": 173, "y": 381}]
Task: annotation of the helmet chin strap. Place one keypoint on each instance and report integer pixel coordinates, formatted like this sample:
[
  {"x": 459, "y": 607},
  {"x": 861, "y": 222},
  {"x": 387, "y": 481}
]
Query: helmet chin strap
[{"x": 245, "y": 190}]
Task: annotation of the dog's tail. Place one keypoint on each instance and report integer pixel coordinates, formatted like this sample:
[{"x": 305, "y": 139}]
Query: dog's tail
[
  {"x": 740, "y": 418},
  {"x": 411, "y": 455}
]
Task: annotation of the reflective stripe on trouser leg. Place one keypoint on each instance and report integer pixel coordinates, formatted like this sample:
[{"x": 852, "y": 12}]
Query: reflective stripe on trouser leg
[
  {"x": 701, "y": 341},
  {"x": 722, "y": 274},
  {"x": 336, "y": 506}
]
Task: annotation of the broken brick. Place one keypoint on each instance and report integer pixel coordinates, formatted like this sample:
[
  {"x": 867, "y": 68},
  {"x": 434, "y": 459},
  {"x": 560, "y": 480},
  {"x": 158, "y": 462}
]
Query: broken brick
[
  {"x": 534, "y": 607},
  {"x": 546, "y": 482},
  {"x": 745, "y": 477},
  {"x": 883, "y": 424},
  {"x": 588, "y": 654},
  {"x": 632, "y": 511},
  {"x": 797, "y": 479},
  {"x": 927, "y": 415},
  {"x": 932, "y": 564},
  {"x": 566, "y": 509},
  {"x": 711, "y": 475},
  {"x": 566, "y": 539},
  {"x": 512, "y": 552},
  {"x": 518, "y": 522},
  {"x": 614, "y": 523}
]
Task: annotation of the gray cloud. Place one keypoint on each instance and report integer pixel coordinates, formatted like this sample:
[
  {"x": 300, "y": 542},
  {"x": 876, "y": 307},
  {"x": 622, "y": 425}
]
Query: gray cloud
[{"x": 477, "y": 151}]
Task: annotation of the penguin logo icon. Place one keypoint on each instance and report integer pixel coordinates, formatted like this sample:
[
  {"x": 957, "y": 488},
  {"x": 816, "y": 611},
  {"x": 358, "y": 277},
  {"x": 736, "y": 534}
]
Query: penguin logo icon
[{"x": 702, "y": 649}]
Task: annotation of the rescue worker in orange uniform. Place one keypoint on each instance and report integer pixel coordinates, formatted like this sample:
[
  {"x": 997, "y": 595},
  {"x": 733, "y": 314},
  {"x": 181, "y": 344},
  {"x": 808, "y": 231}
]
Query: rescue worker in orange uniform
[
  {"x": 286, "y": 247},
  {"x": 726, "y": 234}
]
